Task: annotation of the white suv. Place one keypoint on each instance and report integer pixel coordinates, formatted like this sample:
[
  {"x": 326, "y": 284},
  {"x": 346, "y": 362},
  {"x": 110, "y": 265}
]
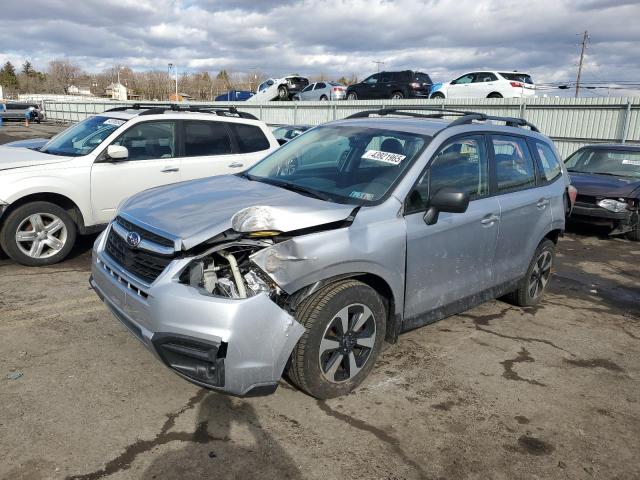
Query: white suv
[
  {"x": 486, "y": 84},
  {"x": 75, "y": 182}
]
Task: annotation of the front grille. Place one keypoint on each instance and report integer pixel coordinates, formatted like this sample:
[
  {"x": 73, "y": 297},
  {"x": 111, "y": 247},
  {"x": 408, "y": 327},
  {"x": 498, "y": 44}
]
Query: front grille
[
  {"x": 586, "y": 199},
  {"x": 143, "y": 264},
  {"x": 145, "y": 234}
]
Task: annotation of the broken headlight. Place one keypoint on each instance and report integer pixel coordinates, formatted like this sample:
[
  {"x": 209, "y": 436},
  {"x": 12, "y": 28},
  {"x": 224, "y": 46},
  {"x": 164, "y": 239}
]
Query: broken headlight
[{"x": 616, "y": 206}]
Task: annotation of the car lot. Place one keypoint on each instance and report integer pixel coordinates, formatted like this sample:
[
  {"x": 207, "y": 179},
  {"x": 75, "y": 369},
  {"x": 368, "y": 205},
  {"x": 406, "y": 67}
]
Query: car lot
[{"x": 497, "y": 392}]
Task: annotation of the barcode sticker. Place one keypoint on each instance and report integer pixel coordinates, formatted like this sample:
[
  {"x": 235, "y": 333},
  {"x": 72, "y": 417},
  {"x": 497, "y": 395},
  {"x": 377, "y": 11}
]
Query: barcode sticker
[{"x": 631, "y": 162}]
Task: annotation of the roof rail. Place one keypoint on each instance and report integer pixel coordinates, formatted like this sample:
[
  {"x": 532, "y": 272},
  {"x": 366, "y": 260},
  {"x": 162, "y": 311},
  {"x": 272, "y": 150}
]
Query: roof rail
[
  {"x": 464, "y": 117},
  {"x": 155, "y": 109}
]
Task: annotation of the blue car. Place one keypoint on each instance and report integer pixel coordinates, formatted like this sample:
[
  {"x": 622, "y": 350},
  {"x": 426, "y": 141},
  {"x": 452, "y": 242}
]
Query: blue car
[
  {"x": 234, "y": 96},
  {"x": 607, "y": 178}
]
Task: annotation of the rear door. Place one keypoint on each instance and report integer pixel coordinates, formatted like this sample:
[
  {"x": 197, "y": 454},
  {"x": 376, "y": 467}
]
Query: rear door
[
  {"x": 452, "y": 259},
  {"x": 319, "y": 90},
  {"x": 483, "y": 84},
  {"x": 207, "y": 149},
  {"x": 525, "y": 206},
  {"x": 152, "y": 161}
]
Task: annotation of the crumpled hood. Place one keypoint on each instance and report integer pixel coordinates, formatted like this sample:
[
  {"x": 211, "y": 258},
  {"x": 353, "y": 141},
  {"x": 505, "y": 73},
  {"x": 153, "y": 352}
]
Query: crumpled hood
[
  {"x": 596, "y": 185},
  {"x": 197, "y": 210},
  {"x": 16, "y": 157}
]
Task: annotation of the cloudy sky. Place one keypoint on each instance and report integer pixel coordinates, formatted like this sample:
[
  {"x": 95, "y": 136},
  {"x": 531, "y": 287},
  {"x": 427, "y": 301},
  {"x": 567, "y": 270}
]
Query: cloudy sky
[{"x": 333, "y": 37}]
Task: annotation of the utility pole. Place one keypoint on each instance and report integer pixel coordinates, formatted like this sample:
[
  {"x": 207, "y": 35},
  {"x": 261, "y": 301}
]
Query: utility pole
[
  {"x": 378, "y": 63},
  {"x": 585, "y": 38},
  {"x": 175, "y": 68}
]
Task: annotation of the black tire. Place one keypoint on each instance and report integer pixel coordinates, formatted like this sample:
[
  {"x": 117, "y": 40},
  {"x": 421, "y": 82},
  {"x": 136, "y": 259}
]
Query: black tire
[
  {"x": 17, "y": 218},
  {"x": 317, "y": 313},
  {"x": 283, "y": 93},
  {"x": 634, "y": 235},
  {"x": 437, "y": 95},
  {"x": 397, "y": 95},
  {"x": 523, "y": 295},
  {"x": 352, "y": 96},
  {"x": 494, "y": 95},
  {"x": 323, "y": 98}
]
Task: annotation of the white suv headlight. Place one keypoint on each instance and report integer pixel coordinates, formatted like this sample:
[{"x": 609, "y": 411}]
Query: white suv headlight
[{"x": 613, "y": 205}]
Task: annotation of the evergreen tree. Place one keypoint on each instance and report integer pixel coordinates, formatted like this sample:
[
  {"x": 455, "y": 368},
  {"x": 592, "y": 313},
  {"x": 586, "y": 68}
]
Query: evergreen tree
[
  {"x": 8, "y": 78},
  {"x": 27, "y": 69}
]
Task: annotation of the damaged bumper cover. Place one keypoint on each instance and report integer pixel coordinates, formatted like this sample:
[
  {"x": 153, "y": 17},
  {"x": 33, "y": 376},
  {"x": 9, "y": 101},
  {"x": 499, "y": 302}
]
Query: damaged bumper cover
[{"x": 235, "y": 345}]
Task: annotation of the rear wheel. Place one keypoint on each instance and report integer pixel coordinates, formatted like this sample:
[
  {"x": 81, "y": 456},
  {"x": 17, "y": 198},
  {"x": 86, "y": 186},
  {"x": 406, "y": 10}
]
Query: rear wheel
[
  {"x": 345, "y": 328},
  {"x": 533, "y": 284},
  {"x": 352, "y": 96},
  {"x": 397, "y": 96},
  {"x": 323, "y": 98},
  {"x": 494, "y": 95},
  {"x": 634, "y": 234},
  {"x": 283, "y": 93},
  {"x": 38, "y": 233}
]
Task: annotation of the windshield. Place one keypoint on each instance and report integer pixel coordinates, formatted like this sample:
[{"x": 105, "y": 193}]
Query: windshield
[
  {"x": 518, "y": 77},
  {"x": 605, "y": 162},
  {"x": 346, "y": 164},
  {"x": 83, "y": 137}
]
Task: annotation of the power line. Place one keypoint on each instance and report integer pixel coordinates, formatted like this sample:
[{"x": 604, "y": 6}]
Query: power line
[{"x": 378, "y": 63}]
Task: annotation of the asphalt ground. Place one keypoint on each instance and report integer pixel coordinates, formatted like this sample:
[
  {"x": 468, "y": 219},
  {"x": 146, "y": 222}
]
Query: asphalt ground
[{"x": 498, "y": 392}]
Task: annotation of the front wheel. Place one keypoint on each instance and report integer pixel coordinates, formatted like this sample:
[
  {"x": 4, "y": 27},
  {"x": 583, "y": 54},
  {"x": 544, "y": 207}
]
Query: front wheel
[
  {"x": 439, "y": 95},
  {"x": 352, "y": 96},
  {"x": 533, "y": 284},
  {"x": 283, "y": 93},
  {"x": 344, "y": 331},
  {"x": 37, "y": 234}
]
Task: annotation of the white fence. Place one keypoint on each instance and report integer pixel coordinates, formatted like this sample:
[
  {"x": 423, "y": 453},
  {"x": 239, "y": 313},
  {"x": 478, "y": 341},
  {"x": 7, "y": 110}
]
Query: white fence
[{"x": 571, "y": 122}]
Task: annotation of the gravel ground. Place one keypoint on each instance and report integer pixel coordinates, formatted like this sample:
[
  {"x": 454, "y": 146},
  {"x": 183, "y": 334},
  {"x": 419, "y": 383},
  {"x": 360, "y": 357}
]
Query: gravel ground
[{"x": 497, "y": 392}]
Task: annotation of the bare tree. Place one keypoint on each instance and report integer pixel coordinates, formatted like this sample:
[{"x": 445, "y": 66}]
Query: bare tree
[{"x": 60, "y": 75}]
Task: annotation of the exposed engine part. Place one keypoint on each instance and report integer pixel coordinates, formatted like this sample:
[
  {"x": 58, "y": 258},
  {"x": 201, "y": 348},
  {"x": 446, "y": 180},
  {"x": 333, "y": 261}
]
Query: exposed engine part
[
  {"x": 229, "y": 272},
  {"x": 242, "y": 291}
]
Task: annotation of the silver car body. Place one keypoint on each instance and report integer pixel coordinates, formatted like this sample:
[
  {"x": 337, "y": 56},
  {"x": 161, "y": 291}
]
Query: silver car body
[
  {"x": 426, "y": 272},
  {"x": 323, "y": 91}
]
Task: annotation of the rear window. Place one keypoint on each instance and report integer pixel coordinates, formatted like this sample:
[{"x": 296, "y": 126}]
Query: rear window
[
  {"x": 249, "y": 137},
  {"x": 550, "y": 165},
  {"x": 422, "y": 78},
  {"x": 518, "y": 77}
]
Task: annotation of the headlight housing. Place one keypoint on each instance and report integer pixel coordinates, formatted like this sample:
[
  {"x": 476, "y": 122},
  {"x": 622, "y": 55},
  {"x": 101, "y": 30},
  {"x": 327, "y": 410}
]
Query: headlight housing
[{"x": 616, "y": 206}]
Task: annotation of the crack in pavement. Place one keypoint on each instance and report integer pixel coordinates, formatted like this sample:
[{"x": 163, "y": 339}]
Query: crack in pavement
[
  {"x": 131, "y": 451},
  {"x": 510, "y": 374},
  {"x": 381, "y": 435}
]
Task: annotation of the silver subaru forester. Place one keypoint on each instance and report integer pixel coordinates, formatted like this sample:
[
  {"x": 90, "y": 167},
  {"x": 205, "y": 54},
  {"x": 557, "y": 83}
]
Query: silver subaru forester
[{"x": 345, "y": 237}]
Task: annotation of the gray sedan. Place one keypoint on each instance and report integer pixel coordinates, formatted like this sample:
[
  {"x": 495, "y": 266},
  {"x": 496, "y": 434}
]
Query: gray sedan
[{"x": 322, "y": 91}]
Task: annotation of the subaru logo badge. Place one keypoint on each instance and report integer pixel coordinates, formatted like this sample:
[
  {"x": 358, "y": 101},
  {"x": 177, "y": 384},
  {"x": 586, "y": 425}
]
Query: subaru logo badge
[{"x": 133, "y": 239}]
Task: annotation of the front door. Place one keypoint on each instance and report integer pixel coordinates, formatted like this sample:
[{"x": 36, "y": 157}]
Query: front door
[
  {"x": 452, "y": 259},
  {"x": 152, "y": 162},
  {"x": 461, "y": 87}
]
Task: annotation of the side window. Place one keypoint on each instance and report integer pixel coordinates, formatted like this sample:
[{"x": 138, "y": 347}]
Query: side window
[
  {"x": 514, "y": 165},
  {"x": 206, "y": 138},
  {"x": 485, "y": 77},
  {"x": 461, "y": 164},
  {"x": 372, "y": 79},
  {"x": 149, "y": 140},
  {"x": 308, "y": 88},
  {"x": 468, "y": 78},
  {"x": 249, "y": 137},
  {"x": 549, "y": 162},
  {"x": 320, "y": 85}
]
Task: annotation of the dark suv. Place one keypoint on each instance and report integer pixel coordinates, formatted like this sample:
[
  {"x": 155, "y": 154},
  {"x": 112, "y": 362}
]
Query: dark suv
[{"x": 396, "y": 85}]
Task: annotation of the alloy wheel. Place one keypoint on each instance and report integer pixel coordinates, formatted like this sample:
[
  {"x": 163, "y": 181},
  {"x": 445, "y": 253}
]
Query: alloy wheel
[
  {"x": 41, "y": 235},
  {"x": 347, "y": 343},
  {"x": 540, "y": 274}
]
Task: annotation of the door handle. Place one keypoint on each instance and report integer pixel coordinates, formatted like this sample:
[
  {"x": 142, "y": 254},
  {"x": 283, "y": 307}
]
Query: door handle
[
  {"x": 542, "y": 203},
  {"x": 490, "y": 220},
  {"x": 236, "y": 165},
  {"x": 169, "y": 169}
]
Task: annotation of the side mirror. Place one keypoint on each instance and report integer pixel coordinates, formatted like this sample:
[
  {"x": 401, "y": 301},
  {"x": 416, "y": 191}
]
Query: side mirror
[
  {"x": 446, "y": 200},
  {"x": 117, "y": 152}
]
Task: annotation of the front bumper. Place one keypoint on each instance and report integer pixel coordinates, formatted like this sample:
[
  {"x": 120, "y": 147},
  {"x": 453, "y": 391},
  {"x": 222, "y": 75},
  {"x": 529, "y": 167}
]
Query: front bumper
[
  {"x": 238, "y": 346},
  {"x": 623, "y": 222}
]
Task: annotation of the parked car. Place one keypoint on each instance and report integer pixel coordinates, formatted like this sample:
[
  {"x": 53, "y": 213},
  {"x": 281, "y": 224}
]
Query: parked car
[
  {"x": 74, "y": 183},
  {"x": 607, "y": 177},
  {"x": 396, "y": 85},
  {"x": 16, "y": 111},
  {"x": 322, "y": 91},
  {"x": 349, "y": 234},
  {"x": 279, "y": 88},
  {"x": 234, "y": 96},
  {"x": 486, "y": 84},
  {"x": 284, "y": 133}
]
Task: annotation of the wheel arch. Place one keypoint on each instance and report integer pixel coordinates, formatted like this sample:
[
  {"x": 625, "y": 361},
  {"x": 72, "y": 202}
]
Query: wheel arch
[
  {"x": 57, "y": 199},
  {"x": 553, "y": 235}
]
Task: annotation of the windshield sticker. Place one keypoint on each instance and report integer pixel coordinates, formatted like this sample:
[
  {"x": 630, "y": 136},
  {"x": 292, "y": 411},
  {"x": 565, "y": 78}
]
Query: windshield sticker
[
  {"x": 362, "y": 195},
  {"x": 113, "y": 121},
  {"x": 631, "y": 162},
  {"x": 386, "y": 157}
]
